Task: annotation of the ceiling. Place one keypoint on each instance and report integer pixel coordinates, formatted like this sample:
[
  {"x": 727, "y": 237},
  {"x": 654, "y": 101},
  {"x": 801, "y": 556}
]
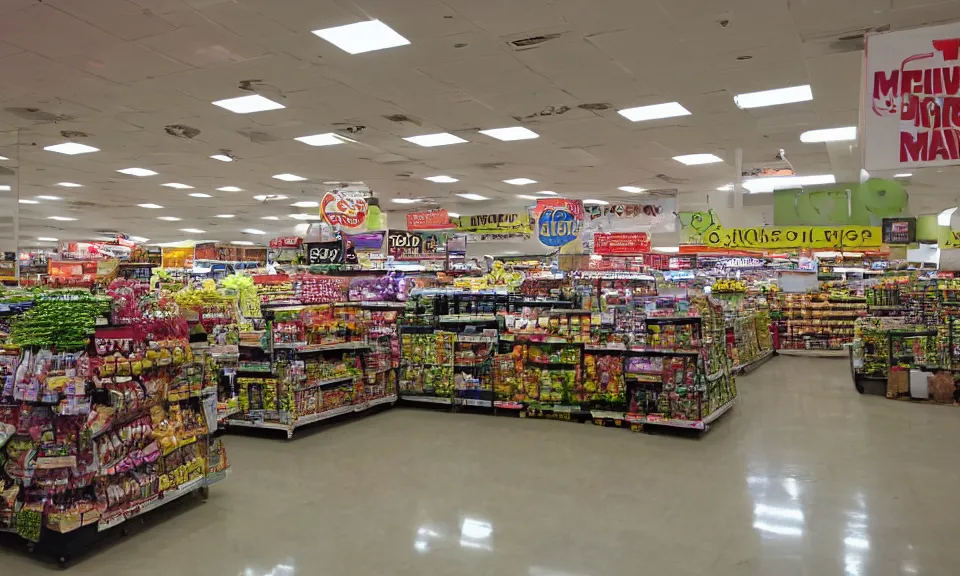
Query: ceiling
[{"x": 115, "y": 74}]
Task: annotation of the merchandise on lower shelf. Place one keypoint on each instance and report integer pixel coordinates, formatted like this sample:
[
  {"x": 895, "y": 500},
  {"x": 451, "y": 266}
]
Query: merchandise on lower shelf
[{"x": 818, "y": 321}]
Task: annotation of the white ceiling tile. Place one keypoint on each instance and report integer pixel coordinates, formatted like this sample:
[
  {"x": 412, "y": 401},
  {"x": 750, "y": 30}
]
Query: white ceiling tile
[
  {"x": 200, "y": 43},
  {"x": 126, "y": 62},
  {"x": 504, "y": 17},
  {"x": 49, "y": 32}
]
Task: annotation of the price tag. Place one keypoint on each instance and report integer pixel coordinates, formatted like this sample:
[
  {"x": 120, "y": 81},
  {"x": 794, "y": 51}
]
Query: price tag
[{"x": 325, "y": 253}]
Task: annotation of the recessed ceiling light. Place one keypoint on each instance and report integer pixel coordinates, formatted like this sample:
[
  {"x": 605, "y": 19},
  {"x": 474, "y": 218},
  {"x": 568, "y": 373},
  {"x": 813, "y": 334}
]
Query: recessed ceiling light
[
  {"x": 830, "y": 135},
  {"x": 695, "y": 159},
  {"x": 62, "y": 218},
  {"x": 527, "y": 197},
  {"x": 327, "y": 139},
  {"x": 71, "y": 148},
  {"x": 200, "y": 195},
  {"x": 268, "y": 197},
  {"x": 305, "y": 216},
  {"x": 25, "y": 201},
  {"x": 473, "y": 197},
  {"x": 546, "y": 193},
  {"x": 269, "y": 217},
  {"x": 69, "y": 185},
  {"x": 168, "y": 218},
  {"x": 289, "y": 177},
  {"x": 242, "y": 243},
  {"x": 632, "y": 189},
  {"x": 508, "y": 134},
  {"x": 306, "y": 204},
  {"x": 230, "y": 189},
  {"x": 520, "y": 181},
  {"x": 654, "y": 112},
  {"x": 441, "y": 179},
  {"x": 774, "y": 97},
  {"x": 903, "y": 175},
  {"x": 193, "y": 230},
  {"x": 47, "y": 239},
  {"x": 771, "y": 183},
  {"x": 222, "y": 157},
  {"x": 431, "y": 140},
  {"x": 137, "y": 172},
  {"x": 177, "y": 185},
  {"x": 453, "y": 214},
  {"x": 150, "y": 206},
  {"x": 5, "y": 188},
  {"x": 224, "y": 215},
  {"x": 725, "y": 188},
  {"x": 49, "y": 197},
  {"x": 253, "y": 231},
  {"x": 3, "y": 158},
  {"x": 362, "y": 37},
  {"x": 140, "y": 239},
  {"x": 406, "y": 200},
  {"x": 248, "y": 104},
  {"x": 591, "y": 202}
]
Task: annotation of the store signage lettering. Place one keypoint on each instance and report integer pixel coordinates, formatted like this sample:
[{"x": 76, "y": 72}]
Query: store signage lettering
[
  {"x": 497, "y": 223},
  {"x": 794, "y": 237},
  {"x": 912, "y": 100},
  {"x": 949, "y": 238},
  {"x": 286, "y": 242},
  {"x": 621, "y": 243},
  {"x": 730, "y": 263},
  {"x": 402, "y": 244},
  {"x": 557, "y": 227},
  {"x": 325, "y": 252},
  {"x": 899, "y": 230},
  {"x": 623, "y": 210},
  {"x": 339, "y": 209},
  {"x": 432, "y": 220},
  {"x": 366, "y": 240}
]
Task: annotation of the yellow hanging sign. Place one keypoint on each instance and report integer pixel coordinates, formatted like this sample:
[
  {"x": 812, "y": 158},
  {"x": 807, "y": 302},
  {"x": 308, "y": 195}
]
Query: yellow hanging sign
[
  {"x": 949, "y": 238},
  {"x": 493, "y": 223},
  {"x": 779, "y": 237}
]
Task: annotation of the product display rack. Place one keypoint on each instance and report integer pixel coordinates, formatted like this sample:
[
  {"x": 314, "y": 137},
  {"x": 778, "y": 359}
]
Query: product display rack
[{"x": 818, "y": 321}]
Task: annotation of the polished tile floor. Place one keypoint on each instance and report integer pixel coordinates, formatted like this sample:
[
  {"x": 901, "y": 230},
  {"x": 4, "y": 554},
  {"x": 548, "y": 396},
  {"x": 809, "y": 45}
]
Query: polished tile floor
[{"x": 803, "y": 477}]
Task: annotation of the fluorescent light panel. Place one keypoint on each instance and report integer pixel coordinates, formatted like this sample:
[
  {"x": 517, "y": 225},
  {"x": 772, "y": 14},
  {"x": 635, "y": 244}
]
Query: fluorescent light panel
[
  {"x": 224, "y": 215},
  {"x": 903, "y": 175},
  {"x": 150, "y": 206},
  {"x": 830, "y": 135},
  {"x": 49, "y": 197},
  {"x": 774, "y": 97},
  {"x": 697, "y": 159},
  {"x": 526, "y": 197},
  {"x": 253, "y": 231},
  {"x": 69, "y": 185},
  {"x": 473, "y": 197},
  {"x": 327, "y": 139},
  {"x": 431, "y": 140},
  {"x": 362, "y": 37},
  {"x": 591, "y": 202},
  {"x": 200, "y": 195},
  {"x": 546, "y": 193},
  {"x": 137, "y": 172},
  {"x": 289, "y": 177},
  {"x": 71, "y": 148},
  {"x": 520, "y": 181},
  {"x": 441, "y": 179},
  {"x": 248, "y": 104},
  {"x": 25, "y": 201},
  {"x": 406, "y": 200},
  {"x": 654, "y": 112},
  {"x": 177, "y": 185},
  {"x": 268, "y": 197},
  {"x": 306, "y": 204},
  {"x": 771, "y": 183},
  {"x": 193, "y": 230},
  {"x": 62, "y": 218},
  {"x": 513, "y": 133},
  {"x": 47, "y": 239},
  {"x": 230, "y": 189},
  {"x": 222, "y": 158},
  {"x": 632, "y": 189},
  {"x": 242, "y": 243},
  {"x": 270, "y": 218}
]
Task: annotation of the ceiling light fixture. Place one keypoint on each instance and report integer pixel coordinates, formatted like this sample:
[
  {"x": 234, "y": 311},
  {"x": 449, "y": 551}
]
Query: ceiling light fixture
[
  {"x": 177, "y": 185},
  {"x": 520, "y": 181},
  {"x": 903, "y": 175},
  {"x": 248, "y": 104},
  {"x": 269, "y": 217},
  {"x": 49, "y": 197},
  {"x": 5, "y": 188},
  {"x": 592, "y": 202},
  {"x": 406, "y": 200},
  {"x": 222, "y": 157},
  {"x": 289, "y": 177},
  {"x": 441, "y": 179},
  {"x": 306, "y": 204},
  {"x": 654, "y": 112},
  {"x": 62, "y": 218},
  {"x": 25, "y": 201},
  {"x": 327, "y": 139},
  {"x": 476, "y": 197},
  {"x": 71, "y": 148},
  {"x": 546, "y": 193},
  {"x": 3, "y": 158},
  {"x": 305, "y": 216},
  {"x": 168, "y": 218},
  {"x": 268, "y": 197},
  {"x": 508, "y": 134},
  {"x": 150, "y": 206},
  {"x": 253, "y": 231},
  {"x": 242, "y": 243},
  {"x": 193, "y": 230},
  {"x": 362, "y": 37},
  {"x": 224, "y": 215},
  {"x": 830, "y": 135},
  {"x": 453, "y": 214},
  {"x": 771, "y": 183},
  {"x": 774, "y": 97},
  {"x": 230, "y": 189},
  {"x": 725, "y": 188},
  {"x": 137, "y": 172},
  {"x": 139, "y": 239},
  {"x": 200, "y": 195},
  {"x": 697, "y": 159},
  {"x": 431, "y": 140},
  {"x": 47, "y": 239},
  {"x": 632, "y": 189},
  {"x": 69, "y": 185},
  {"x": 527, "y": 197}
]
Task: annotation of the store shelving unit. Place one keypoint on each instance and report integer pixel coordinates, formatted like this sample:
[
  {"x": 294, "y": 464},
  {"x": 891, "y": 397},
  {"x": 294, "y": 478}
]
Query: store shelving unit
[{"x": 818, "y": 322}]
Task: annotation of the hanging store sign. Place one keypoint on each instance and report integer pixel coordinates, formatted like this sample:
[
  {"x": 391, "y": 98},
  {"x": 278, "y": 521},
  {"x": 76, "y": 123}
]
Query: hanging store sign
[
  {"x": 899, "y": 230},
  {"x": 325, "y": 252},
  {"x": 621, "y": 243},
  {"x": 405, "y": 245},
  {"x": 370, "y": 241},
  {"x": 339, "y": 208},
  {"x": 474, "y": 238},
  {"x": 493, "y": 223},
  {"x": 177, "y": 257},
  {"x": 432, "y": 220},
  {"x": 912, "y": 98},
  {"x": 740, "y": 263},
  {"x": 655, "y": 214},
  {"x": 559, "y": 221},
  {"x": 286, "y": 242},
  {"x": 949, "y": 238},
  {"x": 795, "y": 237}
]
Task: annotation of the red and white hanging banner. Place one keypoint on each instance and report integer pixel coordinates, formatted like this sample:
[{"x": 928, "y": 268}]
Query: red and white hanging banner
[
  {"x": 619, "y": 243},
  {"x": 911, "y": 101},
  {"x": 432, "y": 220}
]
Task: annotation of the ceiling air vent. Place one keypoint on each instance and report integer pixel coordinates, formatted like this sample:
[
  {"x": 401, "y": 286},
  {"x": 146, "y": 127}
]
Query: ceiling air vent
[
  {"x": 529, "y": 41},
  {"x": 401, "y": 118},
  {"x": 181, "y": 131},
  {"x": 73, "y": 134},
  {"x": 595, "y": 106}
]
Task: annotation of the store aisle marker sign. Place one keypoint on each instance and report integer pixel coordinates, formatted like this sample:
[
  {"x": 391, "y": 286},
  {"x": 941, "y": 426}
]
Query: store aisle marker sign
[
  {"x": 431, "y": 220},
  {"x": 621, "y": 243},
  {"x": 794, "y": 237},
  {"x": 559, "y": 221}
]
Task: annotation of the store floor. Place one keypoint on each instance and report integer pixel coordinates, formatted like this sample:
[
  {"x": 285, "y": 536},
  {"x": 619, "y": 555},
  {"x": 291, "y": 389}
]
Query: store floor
[{"x": 804, "y": 477}]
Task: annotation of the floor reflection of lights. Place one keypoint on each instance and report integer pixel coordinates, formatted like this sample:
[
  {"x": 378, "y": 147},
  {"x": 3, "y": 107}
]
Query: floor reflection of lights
[
  {"x": 278, "y": 570},
  {"x": 475, "y": 534},
  {"x": 773, "y": 515}
]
